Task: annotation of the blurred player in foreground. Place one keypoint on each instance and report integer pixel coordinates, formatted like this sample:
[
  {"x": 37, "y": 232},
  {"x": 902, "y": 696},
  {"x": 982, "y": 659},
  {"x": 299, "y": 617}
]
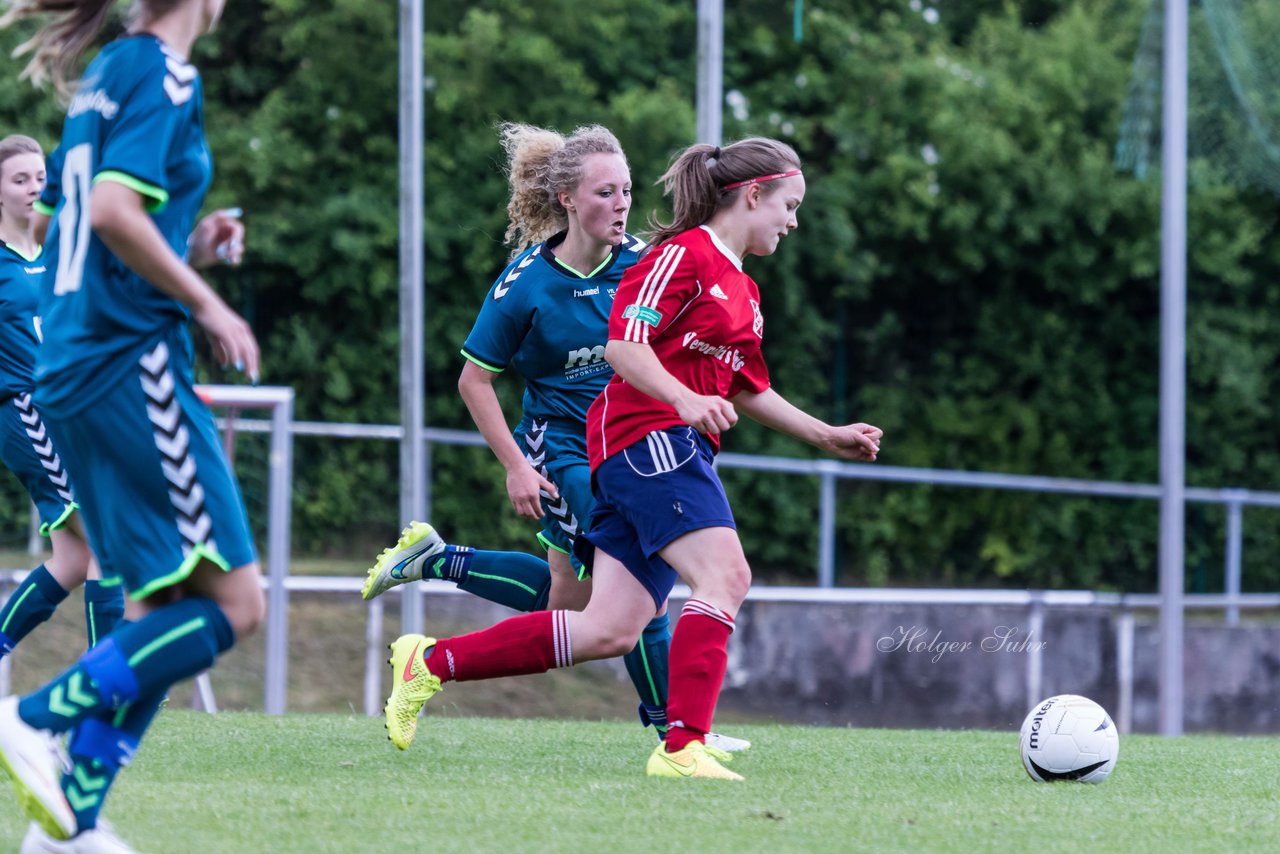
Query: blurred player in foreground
[{"x": 114, "y": 382}]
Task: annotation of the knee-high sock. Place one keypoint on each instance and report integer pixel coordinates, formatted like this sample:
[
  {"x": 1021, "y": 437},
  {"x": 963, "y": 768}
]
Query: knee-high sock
[
  {"x": 530, "y": 643},
  {"x": 103, "y": 608},
  {"x": 136, "y": 661},
  {"x": 31, "y": 604},
  {"x": 99, "y": 747},
  {"x": 647, "y": 667},
  {"x": 520, "y": 581},
  {"x": 698, "y": 663}
]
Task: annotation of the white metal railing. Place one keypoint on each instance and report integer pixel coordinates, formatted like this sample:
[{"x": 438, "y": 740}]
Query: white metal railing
[
  {"x": 1122, "y": 605},
  {"x": 829, "y": 472},
  {"x": 279, "y": 582}
]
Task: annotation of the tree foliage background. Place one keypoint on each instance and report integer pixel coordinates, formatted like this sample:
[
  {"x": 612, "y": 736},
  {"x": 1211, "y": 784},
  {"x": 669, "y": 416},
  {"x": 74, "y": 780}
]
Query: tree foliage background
[{"x": 971, "y": 273}]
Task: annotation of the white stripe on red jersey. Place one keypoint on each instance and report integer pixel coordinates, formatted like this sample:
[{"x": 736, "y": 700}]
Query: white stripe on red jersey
[{"x": 709, "y": 343}]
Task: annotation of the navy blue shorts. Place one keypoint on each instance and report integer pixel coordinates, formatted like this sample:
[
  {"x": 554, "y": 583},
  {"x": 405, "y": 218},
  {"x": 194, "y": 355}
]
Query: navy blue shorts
[
  {"x": 27, "y": 450},
  {"x": 649, "y": 495}
]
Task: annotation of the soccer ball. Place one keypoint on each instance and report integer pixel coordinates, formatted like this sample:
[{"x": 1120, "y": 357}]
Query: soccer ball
[{"x": 1069, "y": 737}]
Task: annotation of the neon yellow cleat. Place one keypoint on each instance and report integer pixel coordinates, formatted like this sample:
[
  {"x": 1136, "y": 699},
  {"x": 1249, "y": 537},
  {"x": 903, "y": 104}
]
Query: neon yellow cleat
[
  {"x": 693, "y": 761},
  {"x": 412, "y": 684},
  {"x": 34, "y": 760},
  {"x": 404, "y": 562}
]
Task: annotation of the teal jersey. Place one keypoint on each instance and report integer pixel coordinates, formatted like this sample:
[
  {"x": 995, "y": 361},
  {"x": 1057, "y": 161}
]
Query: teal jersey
[
  {"x": 550, "y": 325},
  {"x": 19, "y": 324},
  {"x": 136, "y": 119}
]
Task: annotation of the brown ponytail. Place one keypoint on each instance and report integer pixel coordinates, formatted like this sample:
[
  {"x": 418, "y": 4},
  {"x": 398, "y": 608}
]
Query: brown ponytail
[
  {"x": 57, "y": 46},
  {"x": 697, "y": 180}
]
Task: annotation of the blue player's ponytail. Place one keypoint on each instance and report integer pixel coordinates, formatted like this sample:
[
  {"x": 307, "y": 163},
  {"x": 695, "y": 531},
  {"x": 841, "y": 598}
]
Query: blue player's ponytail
[{"x": 57, "y": 46}]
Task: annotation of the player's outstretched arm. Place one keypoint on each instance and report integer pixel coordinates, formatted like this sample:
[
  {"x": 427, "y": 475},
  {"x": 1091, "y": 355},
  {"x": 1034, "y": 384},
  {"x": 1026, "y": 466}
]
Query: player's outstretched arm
[
  {"x": 639, "y": 365},
  {"x": 850, "y": 442},
  {"x": 120, "y": 221}
]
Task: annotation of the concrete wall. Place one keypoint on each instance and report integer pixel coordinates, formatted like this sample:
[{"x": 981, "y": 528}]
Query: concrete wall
[
  {"x": 963, "y": 666},
  {"x": 968, "y": 666}
]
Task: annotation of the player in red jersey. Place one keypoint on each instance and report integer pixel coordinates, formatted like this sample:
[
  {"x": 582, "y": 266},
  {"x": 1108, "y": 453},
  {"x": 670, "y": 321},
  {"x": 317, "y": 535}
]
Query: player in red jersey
[{"x": 684, "y": 341}]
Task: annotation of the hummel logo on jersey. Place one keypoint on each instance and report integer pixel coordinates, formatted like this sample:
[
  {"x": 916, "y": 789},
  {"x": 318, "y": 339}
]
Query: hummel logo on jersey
[{"x": 717, "y": 293}]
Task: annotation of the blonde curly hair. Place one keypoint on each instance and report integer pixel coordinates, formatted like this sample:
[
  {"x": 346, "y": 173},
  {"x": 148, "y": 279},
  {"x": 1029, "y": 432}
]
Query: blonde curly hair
[{"x": 540, "y": 164}]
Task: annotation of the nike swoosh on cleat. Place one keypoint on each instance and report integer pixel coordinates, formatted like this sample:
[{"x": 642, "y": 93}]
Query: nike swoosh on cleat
[
  {"x": 408, "y": 667},
  {"x": 683, "y": 770}
]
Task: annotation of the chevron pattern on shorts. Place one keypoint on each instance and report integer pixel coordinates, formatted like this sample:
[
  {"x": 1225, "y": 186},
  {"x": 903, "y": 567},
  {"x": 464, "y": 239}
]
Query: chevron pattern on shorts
[
  {"x": 174, "y": 443},
  {"x": 43, "y": 446},
  {"x": 536, "y": 454}
]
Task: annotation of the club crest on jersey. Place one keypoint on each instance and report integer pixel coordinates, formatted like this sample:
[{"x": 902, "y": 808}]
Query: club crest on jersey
[
  {"x": 757, "y": 322},
  {"x": 643, "y": 313}
]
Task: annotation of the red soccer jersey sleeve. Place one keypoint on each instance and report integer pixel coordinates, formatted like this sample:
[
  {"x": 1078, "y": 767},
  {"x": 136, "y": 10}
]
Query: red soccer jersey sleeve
[{"x": 690, "y": 301}]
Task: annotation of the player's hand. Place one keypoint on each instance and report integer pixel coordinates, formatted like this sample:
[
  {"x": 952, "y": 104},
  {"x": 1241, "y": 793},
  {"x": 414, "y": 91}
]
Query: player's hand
[
  {"x": 525, "y": 488},
  {"x": 232, "y": 339},
  {"x": 854, "y": 442},
  {"x": 707, "y": 413},
  {"x": 218, "y": 238}
]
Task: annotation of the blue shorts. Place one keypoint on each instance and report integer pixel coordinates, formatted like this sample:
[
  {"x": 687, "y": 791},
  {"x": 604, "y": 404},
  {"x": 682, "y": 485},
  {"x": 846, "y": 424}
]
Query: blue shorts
[
  {"x": 558, "y": 450},
  {"x": 28, "y": 451},
  {"x": 649, "y": 495},
  {"x": 159, "y": 495}
]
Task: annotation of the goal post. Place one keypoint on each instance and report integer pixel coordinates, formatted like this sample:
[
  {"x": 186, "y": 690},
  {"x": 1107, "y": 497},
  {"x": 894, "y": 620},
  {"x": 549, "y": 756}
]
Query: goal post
[{"x": 278, "y": 400}]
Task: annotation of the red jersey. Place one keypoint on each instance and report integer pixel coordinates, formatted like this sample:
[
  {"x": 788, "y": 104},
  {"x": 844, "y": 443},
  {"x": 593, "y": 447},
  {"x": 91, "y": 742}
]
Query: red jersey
[{"x": 689, "y": 300}]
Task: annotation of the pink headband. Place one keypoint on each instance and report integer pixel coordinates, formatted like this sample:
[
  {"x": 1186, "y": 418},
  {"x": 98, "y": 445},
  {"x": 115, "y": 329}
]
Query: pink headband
[{"x": 736, "y": 184}]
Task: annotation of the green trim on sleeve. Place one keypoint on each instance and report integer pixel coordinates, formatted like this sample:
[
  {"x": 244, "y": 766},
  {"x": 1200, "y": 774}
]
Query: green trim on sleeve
[
  {"x": 489, "y": 368},
  {"x": 159, "y": 198},
  {"x": 41, "y": 208}
]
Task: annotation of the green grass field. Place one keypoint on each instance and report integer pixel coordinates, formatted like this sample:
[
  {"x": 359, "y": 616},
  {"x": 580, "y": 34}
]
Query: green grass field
[{"x": 244, "y": 782}]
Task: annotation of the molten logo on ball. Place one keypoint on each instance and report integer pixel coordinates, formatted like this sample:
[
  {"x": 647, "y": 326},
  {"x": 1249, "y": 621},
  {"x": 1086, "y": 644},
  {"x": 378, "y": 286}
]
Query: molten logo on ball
[{"x": 1069, "y": 737}]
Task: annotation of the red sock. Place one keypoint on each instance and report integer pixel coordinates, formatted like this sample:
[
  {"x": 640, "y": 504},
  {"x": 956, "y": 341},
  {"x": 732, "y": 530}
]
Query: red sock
[
  {"x": 697, "y": 664},
  {"x": 530, "y": 643}
]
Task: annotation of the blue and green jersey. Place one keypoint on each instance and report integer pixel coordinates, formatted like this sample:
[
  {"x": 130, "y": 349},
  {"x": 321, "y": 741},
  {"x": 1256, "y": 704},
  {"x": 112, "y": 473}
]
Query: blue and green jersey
[
  {"x": 549, "y": 323},
  {"x": 136, "y": 119}
]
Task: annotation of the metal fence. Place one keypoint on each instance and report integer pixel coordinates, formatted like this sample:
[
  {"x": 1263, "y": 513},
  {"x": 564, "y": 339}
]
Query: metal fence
[
  {"x": 830, "y": 472},
  {"x": 279, "y": 581}
]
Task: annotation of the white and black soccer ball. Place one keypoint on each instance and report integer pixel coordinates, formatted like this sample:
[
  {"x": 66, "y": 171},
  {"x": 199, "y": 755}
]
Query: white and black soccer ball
[{"x": 1069, "y": 737}]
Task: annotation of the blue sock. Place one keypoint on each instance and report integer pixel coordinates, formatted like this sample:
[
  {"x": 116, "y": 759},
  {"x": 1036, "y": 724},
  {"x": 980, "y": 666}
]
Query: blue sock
[
  {"x": 99, "y": 747},
  {"x": 30, "y": 605},
  {"x": 647, "y": 667},
  {"x": 137, "y": 660},
  {"x": 520, "y": 581},
  {"x": 103, "y": 608}
]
